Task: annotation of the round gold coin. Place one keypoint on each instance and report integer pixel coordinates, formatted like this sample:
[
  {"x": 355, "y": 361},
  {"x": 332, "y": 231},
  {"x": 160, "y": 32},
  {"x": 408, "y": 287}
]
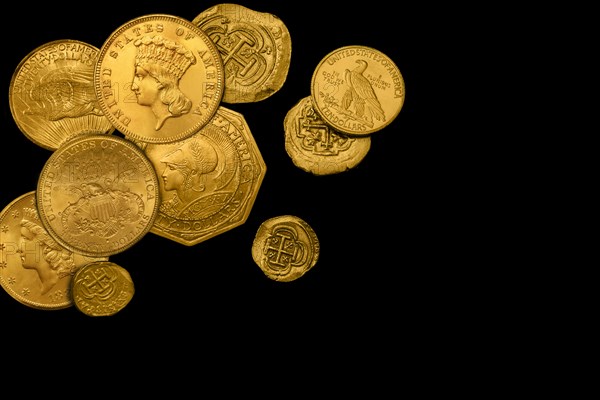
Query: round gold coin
[
  {"x": 98, "y": 195},
  {"x": 159, "y": 78},
  {"x": 316, "y": 147},
  {"x": 285, "y": 248},
  {"x": 34, "y": 269},
  {"x": 256, "y": 49},
  {"x": 52, "y": 96},
  {"x": 357, "y": 90},
  {"x": 102, "y": 288}
]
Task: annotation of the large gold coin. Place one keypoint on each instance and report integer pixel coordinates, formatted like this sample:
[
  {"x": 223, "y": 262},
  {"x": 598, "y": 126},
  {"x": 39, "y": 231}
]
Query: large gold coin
[
  {"x": 34, "y": 269},
  {"x": 256, "y": 49},
  {"x": 52, "y": 97},
  {"x": 316, "y": 147},
  {"x": 98, "y": 195},
  {"x": 208, "y": 182},
  {"x": 102, "y": 289},
  {"x": 285, "y": 248},
  {"x": 159, "y": 78},
  {"x": 357, "y": 90}
]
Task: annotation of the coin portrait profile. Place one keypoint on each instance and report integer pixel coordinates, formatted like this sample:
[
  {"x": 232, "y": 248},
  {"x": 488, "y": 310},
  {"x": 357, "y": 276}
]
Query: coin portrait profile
[
  {"x": 39, "y": 252},
  {"x": 159, "y": 65},
  {"x": 197, "y": 168}
]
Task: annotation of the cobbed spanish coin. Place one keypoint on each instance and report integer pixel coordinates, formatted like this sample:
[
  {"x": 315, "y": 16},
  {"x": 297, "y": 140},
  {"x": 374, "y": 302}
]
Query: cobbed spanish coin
[
  {"x": 285, "y": 248},
  {"x": 97, "y": 195},
  {"x": 316, "y": 147},
  {"x": 256, "y": 49},
  {"x": 102, "y": 289},
  {"x": 357, "y": 90},
  {"x": 52, "y": 97},
  {"x": 159, "y": 78}
]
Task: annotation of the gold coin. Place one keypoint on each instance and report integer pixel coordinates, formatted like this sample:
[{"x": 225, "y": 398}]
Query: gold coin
[
  {"x": 208, "y": 182},
  {"x": 285, "y": 248},
  {"x": 52, "y": 97},
  {"x": 316, "y": 147},
  {"x": 357, "y": 90},
  {"x": 159, "y": 78},
  {"x": 98, "y": 195},
  {"x": 255, "y": 47},
  {"x": 102, "y": 289},
  {"x": 34, "y": 269}
]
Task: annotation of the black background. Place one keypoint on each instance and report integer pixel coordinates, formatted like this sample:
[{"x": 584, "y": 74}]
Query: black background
[{"x": 378, "y": 273}]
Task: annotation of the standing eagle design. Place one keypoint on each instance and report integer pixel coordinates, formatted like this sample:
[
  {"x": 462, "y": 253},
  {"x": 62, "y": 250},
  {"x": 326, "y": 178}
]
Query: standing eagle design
[{"x": 360, "y": 93}]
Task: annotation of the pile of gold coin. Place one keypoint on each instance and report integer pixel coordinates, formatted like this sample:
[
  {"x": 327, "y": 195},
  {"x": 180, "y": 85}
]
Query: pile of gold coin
[{"x": 184, "y": 166}]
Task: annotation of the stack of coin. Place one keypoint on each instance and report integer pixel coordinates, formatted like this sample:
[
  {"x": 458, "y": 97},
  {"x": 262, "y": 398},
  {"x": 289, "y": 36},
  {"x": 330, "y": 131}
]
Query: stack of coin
[{"x": 355, "y": 91}]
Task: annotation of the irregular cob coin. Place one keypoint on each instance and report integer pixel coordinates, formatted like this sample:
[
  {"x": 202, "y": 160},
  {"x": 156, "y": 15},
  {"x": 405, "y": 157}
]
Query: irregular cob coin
[
  {"x": 34, "y": 269},
  {"x": 208, "y": 182},
  {"x": 102, "y": 288},
  {"x": 98, "y": 195},
  {"x": 159, "y": 78},
  {"x": 285, "y": 248},
  {"x": 52, "y": 97},
  {"x": 357, "y": 90},
  {"x": 316, "y": 147},
  {"x": 256, "y": 49}
]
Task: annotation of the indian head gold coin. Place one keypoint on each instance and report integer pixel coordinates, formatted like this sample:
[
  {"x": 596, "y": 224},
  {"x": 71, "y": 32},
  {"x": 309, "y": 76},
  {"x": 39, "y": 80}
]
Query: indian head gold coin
[
  {"x": 357, "y": 90},
  {"x": 102, "y": 288},
  {"x": 316, "y": 147},
  {"x": 98, "y": 195},
  {"x": 34, "y": 269},
  {"x": 159, "y": 78},
  {"x": 209, "y": 181},
  {"x": 285, "y": 248},
  {"x": 256, "y": 49},
  {"x": 52, "y": 97}
]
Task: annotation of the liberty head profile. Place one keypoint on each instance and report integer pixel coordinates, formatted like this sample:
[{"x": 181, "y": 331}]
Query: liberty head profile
[
  {"x": 198, "y": 168},
  {"x": 38, "y": 251},
  {"x": 159, "y": 65}
]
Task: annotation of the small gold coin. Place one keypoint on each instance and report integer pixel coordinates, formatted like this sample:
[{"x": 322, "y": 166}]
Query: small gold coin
[
  {"x": 357, "y": 90},
  {"x": 98, "y": 195},
  {"x": 255, "y": 47},
  {"x": 34, "y": 269},
  {"x": 285, "y": 248},
  {"x": 102, "y": 288},
  {"x": 52, "y": 96},
  {"x": 317, "y": 148},
  {"x": 208, "y": 182},
  {"x": 159, "y": 78}
]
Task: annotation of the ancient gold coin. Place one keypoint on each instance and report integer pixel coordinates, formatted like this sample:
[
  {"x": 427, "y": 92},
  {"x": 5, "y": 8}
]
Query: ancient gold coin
[
  {"x": 102, "y": 288},
  {"x": 52, "y": 96},
  {"x": 316, "y": 147},
  {"x": 208, "y": 182},
  {"x": 34, "y": 269},
  {"x": 285, "y": 248},
  {"x": 357, "y": 90},
  {"x": 98, "y": 195},
  {"x": 256, "y": 49},
  {"x": 159, "y": 78}
]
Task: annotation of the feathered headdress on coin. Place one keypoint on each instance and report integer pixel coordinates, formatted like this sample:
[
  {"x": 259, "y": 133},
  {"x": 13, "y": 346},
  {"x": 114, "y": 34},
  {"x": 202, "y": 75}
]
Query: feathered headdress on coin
[{"x": 171, "y": 56}]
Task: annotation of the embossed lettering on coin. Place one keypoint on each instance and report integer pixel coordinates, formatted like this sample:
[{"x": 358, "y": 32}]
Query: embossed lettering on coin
[
  {"x": 98, "y": 195},
  {"x": 285, "y": 248},
  {"x": 159, "y": 78},
  {"x": 256, "y": 49},
  {"x": 316, "y": 147},
  {"x": 34, "y": 269},
  {"x": 357, "y": 90},
  {"x": 102, "y": 288},
  {"x": 208, "y": 182},
  {"x": 52, "y": 97}
]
